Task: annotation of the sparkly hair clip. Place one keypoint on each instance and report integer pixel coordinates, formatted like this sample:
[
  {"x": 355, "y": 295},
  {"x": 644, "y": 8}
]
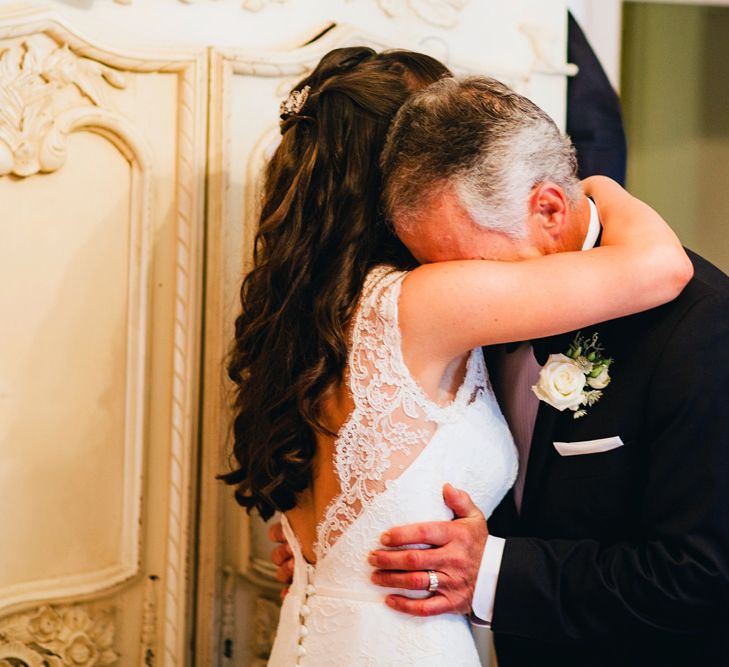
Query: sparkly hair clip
[{"x": 294, "y": 102}]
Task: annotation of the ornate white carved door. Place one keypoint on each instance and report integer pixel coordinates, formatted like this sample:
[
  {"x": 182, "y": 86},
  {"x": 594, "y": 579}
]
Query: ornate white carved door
[
  {"x": 124, "y": 548},
  {"x": 522, "y": 43},
  {"x": 101, "y": 192}
]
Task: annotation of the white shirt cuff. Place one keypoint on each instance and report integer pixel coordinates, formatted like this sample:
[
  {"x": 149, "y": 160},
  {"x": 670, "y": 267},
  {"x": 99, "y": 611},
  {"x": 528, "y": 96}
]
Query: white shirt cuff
[{"x": 485, "y": 592}]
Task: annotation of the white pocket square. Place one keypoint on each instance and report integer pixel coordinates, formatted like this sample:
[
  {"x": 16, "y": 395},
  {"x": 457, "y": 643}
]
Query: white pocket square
[{"x": 588, "y": 446}]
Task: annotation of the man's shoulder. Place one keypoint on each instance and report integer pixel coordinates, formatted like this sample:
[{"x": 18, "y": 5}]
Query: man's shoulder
[
  {"x": 706, "y": 296},
  {"x": 708, "y": 281}
]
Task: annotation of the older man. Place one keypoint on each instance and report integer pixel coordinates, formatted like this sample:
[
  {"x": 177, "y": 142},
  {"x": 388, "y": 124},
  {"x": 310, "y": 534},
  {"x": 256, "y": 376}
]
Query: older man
[{"x": 613, "y": 548}]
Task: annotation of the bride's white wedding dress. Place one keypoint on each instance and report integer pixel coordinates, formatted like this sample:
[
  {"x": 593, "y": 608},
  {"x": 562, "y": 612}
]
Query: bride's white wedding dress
[{"x": 393, "y": 455}]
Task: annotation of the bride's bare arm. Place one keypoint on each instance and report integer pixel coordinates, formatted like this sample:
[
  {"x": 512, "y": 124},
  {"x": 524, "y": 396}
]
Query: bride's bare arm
[{"x": 448, "y": 308}]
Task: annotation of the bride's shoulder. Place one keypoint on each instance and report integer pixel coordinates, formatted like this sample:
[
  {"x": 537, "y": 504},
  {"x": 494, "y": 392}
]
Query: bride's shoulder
[
  {"x": 381, "y": 276},
  {"x": 380, "y": 291}
]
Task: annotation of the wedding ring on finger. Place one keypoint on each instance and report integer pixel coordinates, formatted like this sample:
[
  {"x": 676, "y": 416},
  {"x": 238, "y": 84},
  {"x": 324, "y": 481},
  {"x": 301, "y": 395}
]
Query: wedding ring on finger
[{"x": 433, "y": 585}]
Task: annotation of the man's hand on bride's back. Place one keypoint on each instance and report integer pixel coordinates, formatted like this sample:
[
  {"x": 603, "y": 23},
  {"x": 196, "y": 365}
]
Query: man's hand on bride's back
[
  {"x": 455, "y": 557},
  {"x": 281, "y": 556}
]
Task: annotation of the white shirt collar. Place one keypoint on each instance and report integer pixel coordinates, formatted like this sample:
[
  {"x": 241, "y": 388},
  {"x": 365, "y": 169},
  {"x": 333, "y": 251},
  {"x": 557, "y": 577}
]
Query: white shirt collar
[{"x": 594, "y": 228}]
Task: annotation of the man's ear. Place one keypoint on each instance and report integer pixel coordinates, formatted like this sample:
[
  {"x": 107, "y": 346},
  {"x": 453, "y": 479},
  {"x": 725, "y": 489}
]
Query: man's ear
[{"x": 548, "y": 208}]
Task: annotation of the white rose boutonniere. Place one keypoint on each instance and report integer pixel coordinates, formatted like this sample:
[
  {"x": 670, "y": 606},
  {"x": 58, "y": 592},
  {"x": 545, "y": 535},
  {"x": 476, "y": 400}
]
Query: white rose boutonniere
[
  {"x": 575, "y": 380},
  {"x": 561, "y": 383}
]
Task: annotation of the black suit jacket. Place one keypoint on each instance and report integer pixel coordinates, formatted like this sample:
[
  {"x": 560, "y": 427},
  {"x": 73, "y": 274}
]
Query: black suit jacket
[{"x": 622, "y": 557}]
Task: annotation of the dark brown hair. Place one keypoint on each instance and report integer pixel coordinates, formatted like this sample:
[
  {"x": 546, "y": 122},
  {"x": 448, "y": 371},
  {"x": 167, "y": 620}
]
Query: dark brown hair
[{"x": 320, "y": 230}]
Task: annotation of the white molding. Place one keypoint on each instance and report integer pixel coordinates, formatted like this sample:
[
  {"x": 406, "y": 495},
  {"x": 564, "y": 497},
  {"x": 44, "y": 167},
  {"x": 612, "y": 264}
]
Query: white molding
[
  {"x": 147, "y": 653},
  {"x": 602, "y": 25},
  {"x": 227, "y": 627},
  {"x": 47, "y": 144},
  {"x": 21, "y": 596},
  {"x": 439, "y": 13},
  {"x": 187, "y": 337},
  {"x": 266, "y": 620},
  {"x": 191, "y": 68}
]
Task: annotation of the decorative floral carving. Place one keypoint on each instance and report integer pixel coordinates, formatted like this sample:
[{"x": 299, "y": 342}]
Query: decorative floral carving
[
  {"x": 539, "y": 38},
  {"x": 149, "y": 622},
  {"x": 258, "y": 5},
  {"x": 250, "y": 5},
  {"x": 12, "y": 652},
  {"x": 39, "y": 80},
  {"x": 80, "y": 650},
  {"x": 65, "y": 636},
  {"x": 266, "y": 619},
  {"x": 45, "y": 625},
  {"x": 439, "y": 13},
  {"x": 228, "y": 620}
]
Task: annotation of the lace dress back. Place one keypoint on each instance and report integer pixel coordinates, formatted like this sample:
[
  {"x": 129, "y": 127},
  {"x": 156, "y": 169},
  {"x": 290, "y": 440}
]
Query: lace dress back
[
  {"x": 393, "y": 419},
  {"x": 391, "y": 456}
]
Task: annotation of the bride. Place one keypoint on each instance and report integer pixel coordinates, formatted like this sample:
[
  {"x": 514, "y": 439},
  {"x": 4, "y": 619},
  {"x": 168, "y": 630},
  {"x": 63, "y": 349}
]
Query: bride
[{"x": 354, "y": 404}]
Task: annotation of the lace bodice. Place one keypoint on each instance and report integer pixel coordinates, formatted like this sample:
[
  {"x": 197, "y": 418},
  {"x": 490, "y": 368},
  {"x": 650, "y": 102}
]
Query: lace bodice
[
  {"x": 392, "y": 456},
  {"x": 393, "y": 419}
]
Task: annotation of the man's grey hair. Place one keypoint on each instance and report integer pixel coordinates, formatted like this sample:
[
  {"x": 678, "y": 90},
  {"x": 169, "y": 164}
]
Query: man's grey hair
[{"x": 492, "y": 145}]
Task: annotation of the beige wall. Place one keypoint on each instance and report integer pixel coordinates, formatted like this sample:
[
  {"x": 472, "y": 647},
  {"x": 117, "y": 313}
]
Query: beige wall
[{"x": 675, "y": 91}]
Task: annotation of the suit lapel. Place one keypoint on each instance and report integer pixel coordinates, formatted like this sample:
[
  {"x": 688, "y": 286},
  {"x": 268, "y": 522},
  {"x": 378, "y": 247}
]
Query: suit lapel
[
  {"x": 504, "y": 519},
  {"x": 543, "y": 347},
  {"x": 538, "y": 454}
]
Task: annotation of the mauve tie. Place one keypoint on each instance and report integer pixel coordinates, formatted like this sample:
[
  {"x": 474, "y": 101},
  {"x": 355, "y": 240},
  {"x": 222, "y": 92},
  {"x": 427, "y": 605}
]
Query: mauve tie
[{"x": 519, "y": 372}]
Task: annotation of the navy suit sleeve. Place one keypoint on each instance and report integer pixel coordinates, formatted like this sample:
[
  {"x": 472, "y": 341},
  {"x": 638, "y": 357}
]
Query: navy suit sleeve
[
  {"x": 594, "y": 118},
  {"x": 675, "y": 578}
]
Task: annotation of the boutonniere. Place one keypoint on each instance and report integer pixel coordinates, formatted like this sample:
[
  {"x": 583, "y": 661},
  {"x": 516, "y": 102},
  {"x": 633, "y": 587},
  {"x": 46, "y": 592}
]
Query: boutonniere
[{"x": 575, "y": 380}]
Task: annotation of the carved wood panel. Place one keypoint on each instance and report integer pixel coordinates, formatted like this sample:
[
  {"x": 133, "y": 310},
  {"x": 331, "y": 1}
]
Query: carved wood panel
[
  {"x": 102, "y": 229},
  {"x": 246, "y": 89},
  {"x": 105, "y": 154}
]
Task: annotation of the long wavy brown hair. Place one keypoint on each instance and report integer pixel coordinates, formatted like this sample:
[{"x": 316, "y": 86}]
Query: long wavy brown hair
[{"x": 321, "y": 229}]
